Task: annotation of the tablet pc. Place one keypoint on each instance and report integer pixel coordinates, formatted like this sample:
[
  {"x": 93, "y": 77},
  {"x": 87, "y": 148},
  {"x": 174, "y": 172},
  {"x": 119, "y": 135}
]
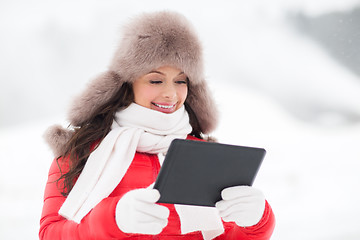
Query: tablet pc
[{"x": 195, "y": 172}]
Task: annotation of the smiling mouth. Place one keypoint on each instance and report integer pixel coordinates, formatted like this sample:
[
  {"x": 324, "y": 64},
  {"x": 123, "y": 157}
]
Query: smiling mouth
[{"x": 164, "y": 106}]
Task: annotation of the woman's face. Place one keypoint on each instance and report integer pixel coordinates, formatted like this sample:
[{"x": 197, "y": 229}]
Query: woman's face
[{"x": 163, "y": 89}]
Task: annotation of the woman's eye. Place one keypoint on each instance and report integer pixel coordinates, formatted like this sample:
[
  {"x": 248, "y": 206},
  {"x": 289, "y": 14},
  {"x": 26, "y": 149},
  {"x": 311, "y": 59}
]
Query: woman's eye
[
  {"x": 181, "y": 82},
  {"x": 155, "y": 81}
]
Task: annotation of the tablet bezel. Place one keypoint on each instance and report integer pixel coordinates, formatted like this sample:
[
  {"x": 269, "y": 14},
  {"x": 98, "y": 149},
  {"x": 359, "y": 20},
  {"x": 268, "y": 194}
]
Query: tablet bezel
[{"x": 193, "y": 173}]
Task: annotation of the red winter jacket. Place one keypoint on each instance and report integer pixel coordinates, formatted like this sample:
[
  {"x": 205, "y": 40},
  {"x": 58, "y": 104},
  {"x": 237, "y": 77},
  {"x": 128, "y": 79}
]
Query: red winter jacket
[{"x": 100, "y": 223}]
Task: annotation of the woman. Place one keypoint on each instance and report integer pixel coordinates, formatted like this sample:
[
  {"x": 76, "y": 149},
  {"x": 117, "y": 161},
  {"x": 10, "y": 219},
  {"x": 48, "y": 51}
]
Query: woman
[{"x": 154, "y": 91}]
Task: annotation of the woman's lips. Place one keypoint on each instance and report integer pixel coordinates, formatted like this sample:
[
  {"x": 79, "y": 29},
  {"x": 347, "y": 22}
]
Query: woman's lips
[{"x": 164, "y": 107}]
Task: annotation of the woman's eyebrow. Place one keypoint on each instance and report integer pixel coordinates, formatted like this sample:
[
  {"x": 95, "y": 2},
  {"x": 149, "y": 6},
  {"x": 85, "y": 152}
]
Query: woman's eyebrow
[{"x": 154, "y": 71}]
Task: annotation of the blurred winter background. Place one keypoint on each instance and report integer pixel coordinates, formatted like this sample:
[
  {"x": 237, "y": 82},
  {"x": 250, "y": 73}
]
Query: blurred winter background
[{"x": 285, "y": 73}]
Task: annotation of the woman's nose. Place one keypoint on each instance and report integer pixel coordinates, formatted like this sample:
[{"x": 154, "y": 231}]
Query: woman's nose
[{"x": 169, "y": 91}]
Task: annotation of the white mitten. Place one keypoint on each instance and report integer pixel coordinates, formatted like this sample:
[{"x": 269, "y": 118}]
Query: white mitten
[
  {"x": 243, "y": 205},
  {"x": 137, "y": 212}
]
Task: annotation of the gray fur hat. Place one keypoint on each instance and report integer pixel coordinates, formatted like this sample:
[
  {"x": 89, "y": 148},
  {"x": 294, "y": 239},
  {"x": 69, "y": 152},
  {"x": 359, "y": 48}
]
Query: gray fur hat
[{"x": 148, "y": 42}]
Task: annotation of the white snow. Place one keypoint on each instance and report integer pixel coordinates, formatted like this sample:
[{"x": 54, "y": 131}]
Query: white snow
[{"x": 310, "y": 175}]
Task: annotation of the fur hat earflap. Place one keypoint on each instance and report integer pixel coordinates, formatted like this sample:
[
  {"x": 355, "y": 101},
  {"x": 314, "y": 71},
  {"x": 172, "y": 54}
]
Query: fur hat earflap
[
  {"x": 98, "y": 92},
  {"x": 201, "y": 102},
  {"x": 57, "y": 137}
]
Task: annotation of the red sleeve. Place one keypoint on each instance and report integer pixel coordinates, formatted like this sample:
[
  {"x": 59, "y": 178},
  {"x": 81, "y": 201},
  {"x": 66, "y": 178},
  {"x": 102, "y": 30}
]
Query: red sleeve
[
  {"x": 261, "y": 231},
  {"x": 98, "y": 224}
]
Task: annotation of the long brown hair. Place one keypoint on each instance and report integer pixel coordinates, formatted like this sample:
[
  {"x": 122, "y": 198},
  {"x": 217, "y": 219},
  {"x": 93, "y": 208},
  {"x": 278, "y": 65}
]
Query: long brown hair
[{"x": 93, "y": 131}]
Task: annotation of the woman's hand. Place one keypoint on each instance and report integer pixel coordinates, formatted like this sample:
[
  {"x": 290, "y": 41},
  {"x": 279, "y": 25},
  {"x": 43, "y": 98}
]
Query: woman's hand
[
  {"x": 243, "y": 205},
  {"x": 137, "y": 212}
]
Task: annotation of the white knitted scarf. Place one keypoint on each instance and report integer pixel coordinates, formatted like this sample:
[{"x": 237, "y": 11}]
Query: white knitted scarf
[{"x": 135, "y": 128}]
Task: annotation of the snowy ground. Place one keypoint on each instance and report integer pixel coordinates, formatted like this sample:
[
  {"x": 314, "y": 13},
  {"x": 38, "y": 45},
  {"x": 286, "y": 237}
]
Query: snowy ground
[{"x": 265, "y": 78}]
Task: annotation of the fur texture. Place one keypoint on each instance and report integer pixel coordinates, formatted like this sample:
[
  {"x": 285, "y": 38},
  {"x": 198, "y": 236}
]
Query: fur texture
[
  {"x": 57, "y": 136},
  {"x": 98, "y": 92},
  {"x": 148, "y": 42}
]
